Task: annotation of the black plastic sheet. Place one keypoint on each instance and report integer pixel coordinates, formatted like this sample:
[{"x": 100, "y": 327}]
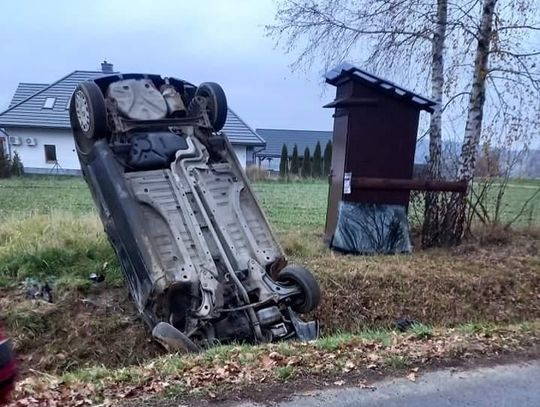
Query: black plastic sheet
[{"x": 372, "y": 229}]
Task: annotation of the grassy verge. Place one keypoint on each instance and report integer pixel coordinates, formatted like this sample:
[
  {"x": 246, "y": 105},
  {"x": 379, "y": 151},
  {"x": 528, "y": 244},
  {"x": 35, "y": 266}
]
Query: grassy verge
[
  {"x": 484, "y": 281},
  {"x": 236, "y": 368}
]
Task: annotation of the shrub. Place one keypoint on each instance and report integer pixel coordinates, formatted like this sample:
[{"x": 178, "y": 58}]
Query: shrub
[
  {"x": 17, "y": 167},
  {"x": 5, "y": 165},
  {"x": 254, "y": 173}
]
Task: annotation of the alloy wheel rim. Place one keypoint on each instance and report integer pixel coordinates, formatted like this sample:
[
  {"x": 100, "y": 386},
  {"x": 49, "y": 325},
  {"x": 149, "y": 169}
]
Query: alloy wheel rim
[{"x": 82, "y": 110}]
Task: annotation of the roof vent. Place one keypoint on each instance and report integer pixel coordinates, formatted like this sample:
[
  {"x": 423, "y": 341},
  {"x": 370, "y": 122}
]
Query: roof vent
[{"x": 106, "y": 67}]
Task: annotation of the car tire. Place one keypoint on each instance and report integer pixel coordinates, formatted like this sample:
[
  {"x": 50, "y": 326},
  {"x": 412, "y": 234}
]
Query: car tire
[
  {"x": 217, "y": 103},
  {"x": 310, "y": 296},
  {"x": 88, "y": 116}
]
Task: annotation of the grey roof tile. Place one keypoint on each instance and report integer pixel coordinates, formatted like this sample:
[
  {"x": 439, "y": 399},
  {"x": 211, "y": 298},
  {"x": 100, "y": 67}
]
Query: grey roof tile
[
  {"x": 25, "y": 90},
  {"x": 29, "y": 112},
  {"x": 275, "y": 138},
  {"x": 26, "y": 108},
  {"x": 238, "y": 132}
]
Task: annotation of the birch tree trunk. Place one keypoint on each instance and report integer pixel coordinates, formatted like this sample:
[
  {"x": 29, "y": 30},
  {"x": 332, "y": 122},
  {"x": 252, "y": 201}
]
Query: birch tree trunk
[
  {"x": 431, "y": 229},
  {"x": 473, "y": 127}
]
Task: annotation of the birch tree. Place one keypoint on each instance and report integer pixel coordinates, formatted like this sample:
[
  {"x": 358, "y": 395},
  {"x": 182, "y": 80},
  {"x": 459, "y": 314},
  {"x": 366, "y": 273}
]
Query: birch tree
[
  {"x": 475, "y": 112},
  {"x": 505, "y": 86},
  {"x": 432, "y": 226}
]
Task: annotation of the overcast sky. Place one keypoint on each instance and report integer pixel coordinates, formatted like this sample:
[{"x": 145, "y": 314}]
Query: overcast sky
[{"x": 209, "y": 40}]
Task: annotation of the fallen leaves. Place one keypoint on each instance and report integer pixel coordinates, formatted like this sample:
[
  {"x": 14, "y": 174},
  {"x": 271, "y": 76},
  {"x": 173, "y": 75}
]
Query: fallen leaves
[
  {"x": 245, "y": 367},
  {"x": 412, "y": 376},
  {"x": 349, "y": 365}
]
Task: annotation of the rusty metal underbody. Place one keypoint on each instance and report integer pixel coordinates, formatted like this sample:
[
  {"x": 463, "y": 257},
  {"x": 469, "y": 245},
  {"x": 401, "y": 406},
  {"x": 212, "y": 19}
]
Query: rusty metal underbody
[{"x": 197, "y": 252}]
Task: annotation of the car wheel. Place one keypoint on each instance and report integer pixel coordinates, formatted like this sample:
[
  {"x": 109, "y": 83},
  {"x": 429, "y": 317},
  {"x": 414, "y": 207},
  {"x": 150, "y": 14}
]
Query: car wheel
[
  {"x": 88, "y": 116},
  {"x": 217, "y": 103},
  {"x": 310, "y": 295}
]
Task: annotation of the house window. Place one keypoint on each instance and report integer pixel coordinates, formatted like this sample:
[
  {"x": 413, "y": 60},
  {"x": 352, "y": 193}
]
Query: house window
[
  {"x": 49, "y": 103},
  {"x": 50, "y": 153}
]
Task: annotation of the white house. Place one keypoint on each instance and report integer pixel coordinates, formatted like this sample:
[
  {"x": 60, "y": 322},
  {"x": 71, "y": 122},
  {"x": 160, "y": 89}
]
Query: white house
[{"x": 36, "y": 126}]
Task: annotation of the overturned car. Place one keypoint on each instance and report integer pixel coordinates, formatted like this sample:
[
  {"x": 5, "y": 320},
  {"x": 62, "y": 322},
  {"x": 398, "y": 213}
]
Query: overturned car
[{"x": 196, "y": 250}]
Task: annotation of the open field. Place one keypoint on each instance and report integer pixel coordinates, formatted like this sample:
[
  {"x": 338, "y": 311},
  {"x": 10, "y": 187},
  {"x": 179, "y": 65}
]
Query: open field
[{"x": 289, "y": 206}]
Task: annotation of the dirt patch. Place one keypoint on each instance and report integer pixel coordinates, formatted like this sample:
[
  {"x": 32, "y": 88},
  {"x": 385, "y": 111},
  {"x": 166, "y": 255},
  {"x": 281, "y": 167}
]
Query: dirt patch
[{"x": 77, "y": 330}]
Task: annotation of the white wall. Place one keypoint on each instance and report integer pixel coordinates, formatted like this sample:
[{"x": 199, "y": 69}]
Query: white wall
[
  {"x": 240, "y": 152},
  {"x": 33, "y": 157}
]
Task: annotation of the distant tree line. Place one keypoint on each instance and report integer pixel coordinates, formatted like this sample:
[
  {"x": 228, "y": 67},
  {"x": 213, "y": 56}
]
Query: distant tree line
[{"x": 307, "y": 166}]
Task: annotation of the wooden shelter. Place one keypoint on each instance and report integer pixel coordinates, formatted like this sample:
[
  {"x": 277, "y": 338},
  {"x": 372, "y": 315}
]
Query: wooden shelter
[{"x": 374, "y": 141}]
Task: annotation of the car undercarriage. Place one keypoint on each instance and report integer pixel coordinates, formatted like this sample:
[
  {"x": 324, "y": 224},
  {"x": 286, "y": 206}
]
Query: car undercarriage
[{"x": 198, "y": 255}]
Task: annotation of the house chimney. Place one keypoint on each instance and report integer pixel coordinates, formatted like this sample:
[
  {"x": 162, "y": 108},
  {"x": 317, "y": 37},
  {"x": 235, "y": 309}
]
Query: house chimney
[{"x": 106, "y": 67}]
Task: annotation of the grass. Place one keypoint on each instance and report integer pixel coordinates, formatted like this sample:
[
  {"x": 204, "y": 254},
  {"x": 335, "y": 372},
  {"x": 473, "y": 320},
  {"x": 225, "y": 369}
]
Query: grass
[
  {"x": 421, "y": 331},
  {"x": 333, "y": 342},
  {"x": 376, "y": 335},
  {"x": 285, "y": 372},
  {"x": 43, "y": 195},
  {"x": 472, "y": 328},
  {"x": 396, "y": 361},
  {"x": 50, "y": 246},
  {"x": 486, "y": 282},
  {"x": 516, "y": 194},
  {"x": 293, "y": 206}
]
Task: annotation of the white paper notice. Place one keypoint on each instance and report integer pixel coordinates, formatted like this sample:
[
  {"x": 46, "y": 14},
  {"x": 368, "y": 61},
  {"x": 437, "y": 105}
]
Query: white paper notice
[{"x": 347, "y": 183}]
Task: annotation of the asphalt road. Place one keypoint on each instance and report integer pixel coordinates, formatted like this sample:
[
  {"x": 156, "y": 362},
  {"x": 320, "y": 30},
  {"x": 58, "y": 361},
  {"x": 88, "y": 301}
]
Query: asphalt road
[{"x": 506, "y": 385}]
